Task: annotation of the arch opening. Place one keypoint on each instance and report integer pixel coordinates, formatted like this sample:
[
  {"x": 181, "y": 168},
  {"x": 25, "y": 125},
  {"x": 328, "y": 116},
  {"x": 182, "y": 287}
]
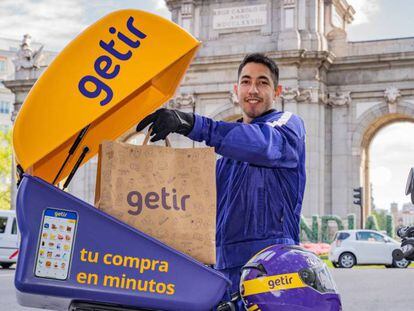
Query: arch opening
[{"x": 386, "y": 150}]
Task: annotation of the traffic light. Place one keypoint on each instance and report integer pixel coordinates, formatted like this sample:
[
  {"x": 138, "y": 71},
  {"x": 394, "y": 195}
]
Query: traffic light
[{"x": 358, "y": 196}]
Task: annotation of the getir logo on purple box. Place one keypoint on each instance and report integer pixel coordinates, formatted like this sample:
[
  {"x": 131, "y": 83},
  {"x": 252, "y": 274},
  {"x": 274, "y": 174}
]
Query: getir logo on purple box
[
  {"x": 154, "y": 200},
  {"x": 92, "y": 86}
]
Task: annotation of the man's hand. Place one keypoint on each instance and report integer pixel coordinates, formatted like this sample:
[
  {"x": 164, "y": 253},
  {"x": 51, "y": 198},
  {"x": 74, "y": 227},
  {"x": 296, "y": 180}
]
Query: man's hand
[{"x": 166, "y": 121}]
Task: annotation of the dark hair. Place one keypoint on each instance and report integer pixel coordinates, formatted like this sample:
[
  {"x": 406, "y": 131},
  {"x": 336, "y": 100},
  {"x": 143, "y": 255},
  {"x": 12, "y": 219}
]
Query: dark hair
[{"x": 261, "y": 59}]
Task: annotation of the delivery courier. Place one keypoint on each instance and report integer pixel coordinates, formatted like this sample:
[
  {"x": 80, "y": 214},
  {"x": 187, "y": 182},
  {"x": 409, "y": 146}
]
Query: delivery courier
[{"x": 261, "y": 176}]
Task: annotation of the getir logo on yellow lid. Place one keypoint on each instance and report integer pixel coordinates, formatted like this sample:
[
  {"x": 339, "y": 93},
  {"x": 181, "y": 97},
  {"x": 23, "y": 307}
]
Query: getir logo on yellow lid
[{"x": 110, "y": 77}]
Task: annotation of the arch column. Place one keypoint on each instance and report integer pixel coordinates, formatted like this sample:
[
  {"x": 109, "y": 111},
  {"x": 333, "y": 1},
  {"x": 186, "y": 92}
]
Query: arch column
[
  {"x": 308, "y": 104},
  {"x": 339, "y": 175}
]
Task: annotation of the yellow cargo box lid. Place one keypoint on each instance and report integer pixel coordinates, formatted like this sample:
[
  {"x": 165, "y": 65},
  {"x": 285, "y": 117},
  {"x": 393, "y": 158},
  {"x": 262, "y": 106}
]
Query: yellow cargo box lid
[{"x": 110, "y": 77}]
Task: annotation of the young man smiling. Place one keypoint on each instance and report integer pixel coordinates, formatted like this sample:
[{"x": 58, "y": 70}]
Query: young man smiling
[{"x": 261, "y": 176}]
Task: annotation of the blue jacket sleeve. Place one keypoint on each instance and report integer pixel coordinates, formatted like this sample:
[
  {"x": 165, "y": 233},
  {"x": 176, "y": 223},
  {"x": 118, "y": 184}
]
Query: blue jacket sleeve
[{"x": 263, "y": 144}]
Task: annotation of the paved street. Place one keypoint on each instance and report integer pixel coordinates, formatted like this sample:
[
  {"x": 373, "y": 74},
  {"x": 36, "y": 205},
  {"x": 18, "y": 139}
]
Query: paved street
[
  {"x": 361, "y": 289},
  {"x": 375, "y": 289},
  {"x": 7, "y": 297}
]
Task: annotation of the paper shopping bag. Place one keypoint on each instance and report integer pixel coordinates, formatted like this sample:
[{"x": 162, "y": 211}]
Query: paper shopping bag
[{"x": 168, "y": 193}]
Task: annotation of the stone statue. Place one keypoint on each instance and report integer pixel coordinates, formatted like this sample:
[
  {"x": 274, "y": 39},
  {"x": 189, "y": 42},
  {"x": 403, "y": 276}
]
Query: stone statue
[
  {"x": 27, "y": 59},
  {"x": 182, "y": 101},
  {"x": 392, "y": 95}
]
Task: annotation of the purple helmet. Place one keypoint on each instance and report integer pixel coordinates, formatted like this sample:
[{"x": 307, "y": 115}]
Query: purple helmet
[{"x": 285, "y": 278}]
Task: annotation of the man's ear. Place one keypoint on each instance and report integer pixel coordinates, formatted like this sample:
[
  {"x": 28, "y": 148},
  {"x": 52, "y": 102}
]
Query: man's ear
[
  {"x": 278, "y": 90},
  {"x": 236, "y": 89}
]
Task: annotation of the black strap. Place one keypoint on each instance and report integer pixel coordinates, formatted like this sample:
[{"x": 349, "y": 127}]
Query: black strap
[
  {"x": 20, "y": 172},
  {"x": 256, "y": 266},
  {"x": 72, "y": 150},
  {"x": 75, "y": 168}
]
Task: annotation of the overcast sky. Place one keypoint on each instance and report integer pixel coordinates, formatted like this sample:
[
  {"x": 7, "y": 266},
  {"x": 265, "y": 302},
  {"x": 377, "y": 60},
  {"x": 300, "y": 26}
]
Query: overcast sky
[
  {"x": 392, "y": 156},
  {"x": 56, "y": 22}
]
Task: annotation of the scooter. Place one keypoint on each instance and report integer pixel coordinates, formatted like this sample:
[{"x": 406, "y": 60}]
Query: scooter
[
  {"x": 406, "y": 233},
  {"x": 72, "y": 255}
]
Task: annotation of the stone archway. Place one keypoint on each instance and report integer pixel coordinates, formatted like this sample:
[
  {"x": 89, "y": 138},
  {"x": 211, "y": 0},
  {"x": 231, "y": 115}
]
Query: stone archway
[
  {"x": 367, "y": 126},
  {"x": 229, "y": 113}
]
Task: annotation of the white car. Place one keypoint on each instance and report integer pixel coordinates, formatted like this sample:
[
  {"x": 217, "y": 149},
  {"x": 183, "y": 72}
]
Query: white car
[
  {"x": 8, "y": 239},
  {"x": 364, "y": 247}
]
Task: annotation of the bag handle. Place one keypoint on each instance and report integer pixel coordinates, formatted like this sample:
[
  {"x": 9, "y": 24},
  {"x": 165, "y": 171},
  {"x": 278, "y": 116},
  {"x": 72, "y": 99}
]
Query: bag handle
[{"x": 147, "y": 137}]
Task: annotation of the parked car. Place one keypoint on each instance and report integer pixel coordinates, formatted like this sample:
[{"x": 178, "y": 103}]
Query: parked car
[
  {"x": 8, "y": 239},
  {"x": 364, "y": 247}
]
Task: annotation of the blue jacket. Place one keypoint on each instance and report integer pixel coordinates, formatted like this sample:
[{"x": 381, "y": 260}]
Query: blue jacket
[{"x": 260, "y": 182}]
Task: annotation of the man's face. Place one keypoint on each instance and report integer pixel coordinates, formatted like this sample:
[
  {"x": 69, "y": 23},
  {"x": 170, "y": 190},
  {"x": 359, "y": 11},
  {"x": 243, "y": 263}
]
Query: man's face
[{"x": 255, "y": 90}]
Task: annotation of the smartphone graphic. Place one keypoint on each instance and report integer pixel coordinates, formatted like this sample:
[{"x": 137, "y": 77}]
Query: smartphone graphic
[{"x": 55, "y": 247}]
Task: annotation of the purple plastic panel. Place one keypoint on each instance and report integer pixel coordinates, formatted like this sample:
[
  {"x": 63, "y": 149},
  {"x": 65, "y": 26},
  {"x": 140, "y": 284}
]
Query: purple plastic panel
[{"x": 125, "y": 257}]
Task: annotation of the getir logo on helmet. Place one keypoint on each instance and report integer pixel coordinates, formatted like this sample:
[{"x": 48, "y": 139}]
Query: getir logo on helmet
[
  {"x": 288, "y": 278},
  {"x": 272, "y": 283},
  {"x": 94, "y": 85}
]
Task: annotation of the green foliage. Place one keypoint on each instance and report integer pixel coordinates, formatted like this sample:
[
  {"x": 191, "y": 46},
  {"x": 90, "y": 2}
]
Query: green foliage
[
  {"x": 351, "y": 221},
  {"x": 371, "y": 223},
  {"x": 380, "y": 215},
  {"x": 315, "y": 228},
  {"x": 5, "y": 169},
  {"x": 385, "y": 223},
  {"x": 305, "y": 229},
  {"x": 389, "y": 220},
  {"x": 324, "y": 227}
]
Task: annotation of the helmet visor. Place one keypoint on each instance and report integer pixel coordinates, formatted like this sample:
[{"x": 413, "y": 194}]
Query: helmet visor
[{"x": 318, "y": 278}]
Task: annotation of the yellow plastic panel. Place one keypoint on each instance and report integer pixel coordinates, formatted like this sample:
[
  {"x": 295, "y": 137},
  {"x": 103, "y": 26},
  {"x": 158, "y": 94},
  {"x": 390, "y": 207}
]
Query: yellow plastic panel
[{"x": 110, "y": 77}]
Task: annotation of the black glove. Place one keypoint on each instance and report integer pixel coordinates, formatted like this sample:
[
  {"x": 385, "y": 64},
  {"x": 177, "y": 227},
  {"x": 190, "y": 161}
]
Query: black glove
[{"x": 166, "y": 121}]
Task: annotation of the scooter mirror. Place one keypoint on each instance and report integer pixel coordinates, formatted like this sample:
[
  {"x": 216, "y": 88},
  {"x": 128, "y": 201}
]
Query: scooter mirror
[{"x": 410, "y": 185}]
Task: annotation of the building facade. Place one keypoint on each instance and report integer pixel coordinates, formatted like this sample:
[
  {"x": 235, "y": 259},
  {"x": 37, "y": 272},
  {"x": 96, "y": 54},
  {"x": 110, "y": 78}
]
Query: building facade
[
  {"x": 345, "y": 91},
  {"x": 405, "y": 216},
  {"x": 21, "y": 63},
  {"x": 8, "y": 50}
]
